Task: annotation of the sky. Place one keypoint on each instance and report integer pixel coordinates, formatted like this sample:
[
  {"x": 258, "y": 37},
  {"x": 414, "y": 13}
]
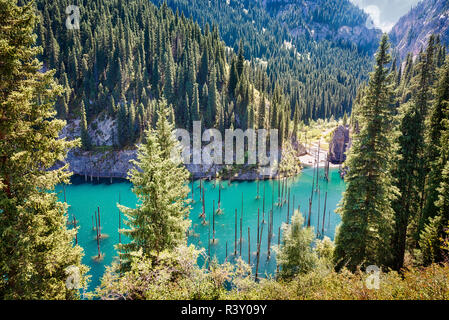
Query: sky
[{"x": 385, "y": 13}]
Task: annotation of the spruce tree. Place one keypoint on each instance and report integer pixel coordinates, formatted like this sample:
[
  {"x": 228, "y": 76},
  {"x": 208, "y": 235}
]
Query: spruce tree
[
  {"x": 211, "y": 99},
  {"x": 364, "y": 236},
  {"x": 261, "y": 116},
  {"x": 123, "y": 125},
  {"x": 195, "y": 107},
  {"x": 443, "y": 196},
  {"x": 159, "y": 221},
  {"x": 37, "y": 254},
  {"x": 439, "y": 114},
  {"x": 233, "y": 78},
  {"x": 85, "y": 138},
  {"x": 240, "y": 60},
  {"x": 430, "y": 242},
  {"x": 409, "y": 169},
  {"x": 169, "y": 75}
]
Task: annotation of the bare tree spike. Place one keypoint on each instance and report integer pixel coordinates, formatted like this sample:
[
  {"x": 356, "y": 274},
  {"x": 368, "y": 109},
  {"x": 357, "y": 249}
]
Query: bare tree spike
[
  {"x": 249, "y": 247},
  {"x": 324, "y": 213}
]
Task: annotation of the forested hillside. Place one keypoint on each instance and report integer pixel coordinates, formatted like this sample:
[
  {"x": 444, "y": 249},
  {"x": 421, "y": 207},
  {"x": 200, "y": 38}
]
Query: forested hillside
[
  {"x": 318, "y": 70},
  {"x": 117, "y": 65},
  {"x": 340, "y": 22},
  {"x": 412, "y": 31},
  {"x": 127, "y": 55}
]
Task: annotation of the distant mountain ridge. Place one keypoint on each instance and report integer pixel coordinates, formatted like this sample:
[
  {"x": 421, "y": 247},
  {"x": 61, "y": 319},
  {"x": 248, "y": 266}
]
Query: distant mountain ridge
[
  {"x": 338, "y": 21},
  {"x": 412, "y": 31}
]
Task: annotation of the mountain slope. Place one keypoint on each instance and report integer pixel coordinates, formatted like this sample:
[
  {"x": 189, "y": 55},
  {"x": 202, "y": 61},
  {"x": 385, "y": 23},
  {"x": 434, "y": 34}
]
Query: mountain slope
[
  {"x": 128, "y": 54},
  {"x": 339, "y": 21},
  {"x": 412, "y": 31},
  {"x": 319, "y": 74}
]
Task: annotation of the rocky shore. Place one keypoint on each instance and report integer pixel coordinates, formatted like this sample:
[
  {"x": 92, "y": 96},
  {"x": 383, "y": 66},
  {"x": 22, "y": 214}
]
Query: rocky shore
[
  {"x": 105, "y": 162},
  {"x": 116, "y": 164}
]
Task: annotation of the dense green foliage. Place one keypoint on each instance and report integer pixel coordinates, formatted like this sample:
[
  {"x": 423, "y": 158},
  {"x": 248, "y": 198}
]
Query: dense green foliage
[
  {"x": 410, "y": 167},
  {"x": 176, "y": 275},
  {"x": 423, "y": 94},
  {"x": 160, "y": 220},
  {"x": 36, "y": 251},
  {"x": 321, "y": 76},
  {"x": 405, "y": 145},
  {"x": 364, "y": 236},
  {"x": 125, "y": 57},
  {"x": 296, "y": 254},
  {"x": 118, "y": 63}
]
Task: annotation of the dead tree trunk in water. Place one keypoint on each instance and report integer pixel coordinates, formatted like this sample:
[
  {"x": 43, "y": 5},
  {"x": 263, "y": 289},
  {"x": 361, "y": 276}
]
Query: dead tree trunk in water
[
  {"x": 249, "y": 247},
  {"x": 258, "y": 253},
  {"x": 76, "y": 231},
  {"x": 98, "y": 236},
  {"x": 99, "y": 223},
  {"x": 310, "y": 212},
  {"x": 235, "y": 236},
  {"x": 263, "y": 205},
  {"x": 324, "y": 213},
  {"x": 258, "y": 224},
  {"x": 213, "y": 222}
]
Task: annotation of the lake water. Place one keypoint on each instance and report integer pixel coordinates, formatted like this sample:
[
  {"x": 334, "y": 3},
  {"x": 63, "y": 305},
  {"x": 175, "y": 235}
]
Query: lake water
[{"x": 84, "y": 199}]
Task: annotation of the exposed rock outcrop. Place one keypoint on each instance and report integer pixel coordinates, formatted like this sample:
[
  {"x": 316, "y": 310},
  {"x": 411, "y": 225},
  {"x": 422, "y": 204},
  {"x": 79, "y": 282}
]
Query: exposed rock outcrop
[
  {"x": 107, "y": 162},
  {"x": 411, "y": 33},
  {"x": 116, "y": 164},
  {"x": 340, "y": 143}
]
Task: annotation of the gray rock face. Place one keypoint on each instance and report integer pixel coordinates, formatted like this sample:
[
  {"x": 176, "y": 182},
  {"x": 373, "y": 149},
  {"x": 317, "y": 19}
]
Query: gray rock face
[
  {"x": 300, "y": 148},
  {"x": 411, "y": 33},
  {"x": 111, "y": 163},
  {"x": 339, "y": 145},
  {"x": 116, "y": 164}
]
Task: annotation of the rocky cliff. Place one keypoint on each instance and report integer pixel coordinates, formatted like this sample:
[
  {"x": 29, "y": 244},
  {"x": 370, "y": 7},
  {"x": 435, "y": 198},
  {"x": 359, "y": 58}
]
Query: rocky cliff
[
  {"x": 116, "y": 164},
  {"x": 412, "y": 31},
  {"x": 341, "y": 142},
  {"x": 106, "y": 162}
]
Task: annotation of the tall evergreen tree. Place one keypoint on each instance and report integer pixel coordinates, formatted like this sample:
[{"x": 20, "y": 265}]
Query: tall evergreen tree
[
  {"x": 409, "y": 170},
  {"x": 443, "y": 196},
  {"x": 36, "y": 251},
  {"x": 85, "y": 138},
  {"x": 195, "y": 107},
  {"x": 240, "y": 60},
  {"x": 364, "y": 236},
  {"x": 439, "y": 114},
  {"x": 159, "y": 221},
  {"x": 233, "y": 78},
  {"x": 436, "y": 217},
  {"x": 211, "y": 99},
  {"x": 169, "y": 76},
  {"x": 261, "y": 116},
  {"x": 123, "y": 124}
]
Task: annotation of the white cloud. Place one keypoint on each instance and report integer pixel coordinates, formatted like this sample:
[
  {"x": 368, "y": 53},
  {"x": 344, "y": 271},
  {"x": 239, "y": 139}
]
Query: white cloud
[
  {"x": 375, "y": 14},
  {"x": 385, "y": 13}
]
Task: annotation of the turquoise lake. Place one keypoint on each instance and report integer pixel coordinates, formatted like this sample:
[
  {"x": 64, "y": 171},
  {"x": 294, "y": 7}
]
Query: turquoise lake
[{"x": 84, "y": 199}]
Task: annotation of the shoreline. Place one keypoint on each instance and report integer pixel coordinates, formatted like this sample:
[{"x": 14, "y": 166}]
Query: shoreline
[{"x": 115, "y": 164}]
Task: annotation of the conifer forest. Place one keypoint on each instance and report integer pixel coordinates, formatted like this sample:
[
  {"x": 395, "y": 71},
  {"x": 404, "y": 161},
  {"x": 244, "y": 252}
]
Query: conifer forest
[{"x": 224, "y": 150}]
